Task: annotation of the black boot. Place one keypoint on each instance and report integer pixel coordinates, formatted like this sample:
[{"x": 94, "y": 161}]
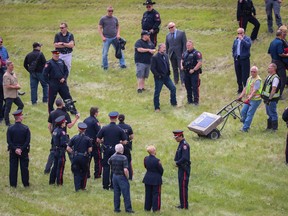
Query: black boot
[
  {"x": 269, "y": 124},
  {"x": 275, "y": 125}
]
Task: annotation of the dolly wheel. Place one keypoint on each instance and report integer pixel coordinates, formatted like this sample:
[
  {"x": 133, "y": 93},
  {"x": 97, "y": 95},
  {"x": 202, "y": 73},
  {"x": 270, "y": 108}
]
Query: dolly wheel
[{"x": 214, "y": 134}]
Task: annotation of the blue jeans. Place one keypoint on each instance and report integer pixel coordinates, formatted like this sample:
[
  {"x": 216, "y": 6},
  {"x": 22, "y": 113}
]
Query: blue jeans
[
  {"x": 248, "y": 112},
  {"x": 121, "y": 185},
  {"x": 158, "y": 87},
  {"x": 35, "y": 78},
  {"x": 271, "y": 111},
  {"x": 105, "y": 50}
]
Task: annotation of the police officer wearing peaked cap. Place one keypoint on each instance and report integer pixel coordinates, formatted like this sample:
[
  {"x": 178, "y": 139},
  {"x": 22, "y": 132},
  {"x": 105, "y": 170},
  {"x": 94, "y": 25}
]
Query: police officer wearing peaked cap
[
  {"x": 111, "y": 135},
  {"x": 52, "y": 124},
  {"x": 18, "y": 139},
  {"x": 151, "y": 21},
  {"x": 182, "y": 161},
  {"x": 60, "y": 139},
  {"x": 81, "y": 146},
  {"x": 55, "y": 73}
]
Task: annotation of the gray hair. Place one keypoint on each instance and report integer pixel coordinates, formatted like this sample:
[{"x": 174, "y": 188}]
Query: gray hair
[{"x": 119, "y": 148}]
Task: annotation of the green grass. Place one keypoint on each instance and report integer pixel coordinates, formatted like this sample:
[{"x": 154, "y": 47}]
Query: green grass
[{"x": 239, "y": 174}]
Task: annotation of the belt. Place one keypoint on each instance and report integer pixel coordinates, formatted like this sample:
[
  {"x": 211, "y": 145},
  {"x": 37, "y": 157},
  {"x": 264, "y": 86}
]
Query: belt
[
  {"x": 81, "y": 154},
  {"x": 67, "y": 52}
]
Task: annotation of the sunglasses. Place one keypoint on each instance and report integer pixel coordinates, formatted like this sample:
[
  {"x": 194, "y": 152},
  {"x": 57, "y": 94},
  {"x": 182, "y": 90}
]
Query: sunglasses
[
  {"x": 110, "y": 10},
  {"x": 171, "y": 27},
  {"x": 239, "y": 32},
  {"x": 148, "y": 6},
  {"x": 62, "y": 27}
]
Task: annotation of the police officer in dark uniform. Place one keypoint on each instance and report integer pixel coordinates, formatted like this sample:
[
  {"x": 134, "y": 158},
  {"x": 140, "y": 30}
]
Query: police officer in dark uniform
[
  {"x": 191, "y": 64},
  {"x": 55, "y": 73},
  {"x": 246, "y": 12},
  {"x": 52, "y": 125},
  {"x": 93, "y": 127},
  {"x": 18, "y": 139},
  {"x": 60, "y": 141},
  {"x": 111, "y": 135},
  {"x": 182, "y": 160},
  {"x": 151, "y": 21},
  {"x": 152, "y": 180},
  {"x": 128, "y": 147},
  {"x": 80, "y": 146}
]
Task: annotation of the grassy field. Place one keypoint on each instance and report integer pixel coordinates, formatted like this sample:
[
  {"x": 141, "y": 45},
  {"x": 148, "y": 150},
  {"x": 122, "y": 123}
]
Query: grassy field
[{"x": 238, "y": 174}]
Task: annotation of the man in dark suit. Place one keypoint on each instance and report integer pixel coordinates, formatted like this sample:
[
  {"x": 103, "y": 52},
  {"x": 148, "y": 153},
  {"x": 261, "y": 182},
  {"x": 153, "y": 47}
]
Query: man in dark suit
[
  {"x": 241, "y": 54},
  {"x": 152, "y": 180},
  {"x": 161, "y": 71},
  {"x": 176, "y": 45}
]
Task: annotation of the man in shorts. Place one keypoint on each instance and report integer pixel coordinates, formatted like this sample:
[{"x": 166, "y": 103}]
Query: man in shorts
[{"x": 144, "y": 50}]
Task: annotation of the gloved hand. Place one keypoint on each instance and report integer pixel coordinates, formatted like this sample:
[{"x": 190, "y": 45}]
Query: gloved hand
[
  {"x": 247, "y": 102},
  {"x": 239, "y": 99}
]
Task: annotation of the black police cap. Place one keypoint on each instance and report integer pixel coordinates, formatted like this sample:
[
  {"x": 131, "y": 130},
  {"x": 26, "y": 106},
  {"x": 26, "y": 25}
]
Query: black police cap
[
  {"x": 60, "y": 120},
  {"x": 17, "y": 113},
  {"x": 82, "y": 126},
  {"x": 113, "y": 114}
]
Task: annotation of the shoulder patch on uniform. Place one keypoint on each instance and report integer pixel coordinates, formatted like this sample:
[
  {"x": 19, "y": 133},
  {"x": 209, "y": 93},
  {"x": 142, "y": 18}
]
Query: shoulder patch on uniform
[
  {"x": 199, "y": 55},
  {"x": 63, "y": 132},
  {"x": 46, "y": 65},
  {"x": 185, "y": 147},
  {"x": 157, "y": 15}
]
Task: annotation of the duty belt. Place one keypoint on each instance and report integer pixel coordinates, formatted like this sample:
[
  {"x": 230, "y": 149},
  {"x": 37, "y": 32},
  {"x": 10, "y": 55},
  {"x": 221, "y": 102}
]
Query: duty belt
[
  {"x": 67, "y": 52},
  {"x": 81, "y": 154}
]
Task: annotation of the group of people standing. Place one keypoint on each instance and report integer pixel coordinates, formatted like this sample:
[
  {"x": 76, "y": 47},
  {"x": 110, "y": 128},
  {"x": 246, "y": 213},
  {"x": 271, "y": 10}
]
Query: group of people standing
[
  {"x": 271, "y": 90},
  {"x": 115, "y": 141}
]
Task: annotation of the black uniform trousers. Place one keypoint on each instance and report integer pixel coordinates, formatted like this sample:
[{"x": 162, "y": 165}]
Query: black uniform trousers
[
  {"x": 97, "y": 157},
  {"x": 183, "y": 181},
  {"x": 8, "y": 105},
  {"x": 1, "y": 102},
  {"x": 58, "y": 167},
  {"x": 24, "y": 163},
  {"x": 176, "y": 65},
  {"x": 242, "y": 69},
  {"x": 107, "y": 174},
  {"x": 192, "y": 83},
  {"x": 281, "y": 72},
  {"x": 153, "y": 38},
  {"x": 127, "y": 153},
  {"x": 243, "y": 24},
  {"x": 54, "y": 88},
  {"x": 80, "y": 171},
  {"x": 152, "y": 197}
]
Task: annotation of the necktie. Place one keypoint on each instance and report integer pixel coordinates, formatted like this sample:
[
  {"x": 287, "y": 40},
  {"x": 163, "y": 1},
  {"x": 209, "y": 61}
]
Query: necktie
[{"x": 165, "y": 63}]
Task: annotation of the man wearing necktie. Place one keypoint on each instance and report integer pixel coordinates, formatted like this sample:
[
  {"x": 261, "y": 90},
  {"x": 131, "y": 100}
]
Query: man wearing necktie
[
  {"x": 176, "y": 45},
  {"x": 160, "y": 69}
]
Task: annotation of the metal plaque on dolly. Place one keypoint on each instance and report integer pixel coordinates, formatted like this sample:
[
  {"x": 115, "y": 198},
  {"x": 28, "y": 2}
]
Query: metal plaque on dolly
[{"x": 205, "y": 123}]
